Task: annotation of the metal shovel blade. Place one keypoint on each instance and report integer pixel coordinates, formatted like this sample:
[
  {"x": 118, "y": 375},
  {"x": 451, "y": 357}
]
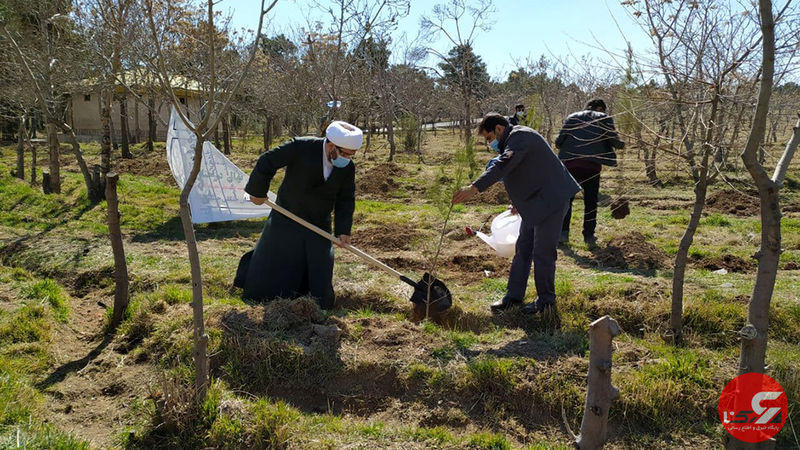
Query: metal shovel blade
[{"x": 440, "y": 297}]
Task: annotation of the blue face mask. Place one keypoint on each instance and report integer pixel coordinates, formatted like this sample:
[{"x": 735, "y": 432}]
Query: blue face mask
[
  {"x": 495, "y": 145},
  {"x": 340, "y": 162}
]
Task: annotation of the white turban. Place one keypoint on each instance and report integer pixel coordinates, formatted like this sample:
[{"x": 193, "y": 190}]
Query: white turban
[{"x": 344, "y": 135}]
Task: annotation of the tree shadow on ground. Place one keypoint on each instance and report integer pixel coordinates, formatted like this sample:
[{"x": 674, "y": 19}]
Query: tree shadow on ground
[
  {"x": 59, "y": 374},
  {"x": 172, "y": 230}
]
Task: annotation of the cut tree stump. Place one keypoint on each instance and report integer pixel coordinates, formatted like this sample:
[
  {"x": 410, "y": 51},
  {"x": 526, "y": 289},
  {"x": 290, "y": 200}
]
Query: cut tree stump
[{"x": 600, "y": 393}]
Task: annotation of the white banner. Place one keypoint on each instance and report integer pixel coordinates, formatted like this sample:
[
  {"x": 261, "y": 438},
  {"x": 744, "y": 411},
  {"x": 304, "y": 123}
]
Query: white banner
[{"x": 218, "y": 193}]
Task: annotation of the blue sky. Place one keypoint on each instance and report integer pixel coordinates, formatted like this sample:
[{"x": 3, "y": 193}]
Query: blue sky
[{"x": 522, "y": 29}]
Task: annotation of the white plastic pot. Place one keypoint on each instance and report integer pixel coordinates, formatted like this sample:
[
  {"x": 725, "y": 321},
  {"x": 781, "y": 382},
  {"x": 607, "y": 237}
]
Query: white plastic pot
[{"x": 505, "y": 231}]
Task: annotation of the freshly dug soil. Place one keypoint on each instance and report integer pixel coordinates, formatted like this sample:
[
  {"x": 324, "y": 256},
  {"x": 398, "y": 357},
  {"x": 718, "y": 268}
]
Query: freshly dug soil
[
  {"x": 734, "y": 203},
  {"x": 730, "y": 263},
  {"x": 495, "y": 195},
  {"x": 379, "y": 179},
  {"x": 388, "y": 236},
  {"x": 145, "y": 164},
  {"x": 631, "y": 251}
]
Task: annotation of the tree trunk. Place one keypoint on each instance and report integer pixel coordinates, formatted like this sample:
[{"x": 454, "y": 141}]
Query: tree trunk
[
  {"x": 123, "y": 127},
  {"x": 200, "y": 336},
  {"x": 105, "y": 141},
  {"x": 390, "y": 137},
  {"x": 268, "y": 128},
  {"x": 121, "y": 291},
  {"x": 21, "y": 150},
  {"x": 226, "y": 135},
  {"x": 94, "y": 185},
  {"x": 54, "y": 175},
  {"x": 420, "y": 129},
  {"x": 151, "y": 122},
  {"x": 137, "y": 130},
  {"x": 33, "y": 164},
  {"x": 681, "y": 257},
  {"x": 600, "y": 392},
  {"x": 754, "y": 333}
]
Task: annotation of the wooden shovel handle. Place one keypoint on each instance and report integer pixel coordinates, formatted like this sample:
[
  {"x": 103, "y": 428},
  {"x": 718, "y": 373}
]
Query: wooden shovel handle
[{"x": 365, "y": 257}]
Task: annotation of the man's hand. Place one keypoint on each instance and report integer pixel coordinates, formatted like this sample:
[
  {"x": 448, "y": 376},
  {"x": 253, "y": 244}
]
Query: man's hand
[
  {"x": 464, "y": 194},
  {"x": 513, "y": 210},
  {"x": 257, "y": 200},
  {"x": 344, "y": 239}
]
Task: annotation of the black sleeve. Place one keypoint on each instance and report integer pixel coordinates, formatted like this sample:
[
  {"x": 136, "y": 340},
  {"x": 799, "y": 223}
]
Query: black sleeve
[
  {"x": 269, "y": 163},
  {"x": 345, "y": 204}
]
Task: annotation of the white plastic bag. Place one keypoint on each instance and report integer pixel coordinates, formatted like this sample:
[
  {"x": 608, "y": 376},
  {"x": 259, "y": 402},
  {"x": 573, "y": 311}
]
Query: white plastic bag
[{"x": 505, "y": 231}]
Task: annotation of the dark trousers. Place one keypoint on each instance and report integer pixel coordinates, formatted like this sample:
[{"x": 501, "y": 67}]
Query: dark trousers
[
  {"x": 589, "y": 179},
  {"x": 536, "y": 246}
]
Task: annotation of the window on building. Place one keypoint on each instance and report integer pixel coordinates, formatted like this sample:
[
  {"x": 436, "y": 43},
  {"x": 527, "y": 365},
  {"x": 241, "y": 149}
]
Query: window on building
[{"x": 87, "y": 97}]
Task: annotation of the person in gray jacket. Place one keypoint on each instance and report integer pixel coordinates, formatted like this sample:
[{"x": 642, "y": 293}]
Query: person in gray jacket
[
  {"x": 540, "y": 188},
  {"x": 586, "y": 143}
]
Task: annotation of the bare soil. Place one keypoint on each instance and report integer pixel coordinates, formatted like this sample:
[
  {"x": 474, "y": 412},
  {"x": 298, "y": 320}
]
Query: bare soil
[
  {"x": 731, "y": 263},
  {"x": 733, "y": 202},
  {"x": 94, "y": 383},
  {"x": 631, "y": 251},
  {"x": 388, "y": 236},
  {"x": 380, "y": 179}
]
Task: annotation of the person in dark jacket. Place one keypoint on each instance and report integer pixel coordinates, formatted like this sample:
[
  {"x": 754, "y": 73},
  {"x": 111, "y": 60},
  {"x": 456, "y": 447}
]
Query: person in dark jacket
[
  {"x": 519, "y": 115},
  {"x": 289, "y": 260},
  {"x": 540, "y": 188},
  {"x": 586, "y": 143}
]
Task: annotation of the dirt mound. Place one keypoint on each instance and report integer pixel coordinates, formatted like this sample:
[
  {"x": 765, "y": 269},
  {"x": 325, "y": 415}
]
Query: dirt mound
[
  {"x": 495, "y": 195},
  {"x": 733, "y": 202},
  {"x": 389, "y": 236},
  {"x": 146, "y": 165},
  {"x": 280, "y": 341},
  {"x": 730, "y": 263},
  {"x": 791, "y": 265},
  {"x": 404, "y": 262},
  {"x": 631, "y": 251},
  {"x": 379, "y": 179}
]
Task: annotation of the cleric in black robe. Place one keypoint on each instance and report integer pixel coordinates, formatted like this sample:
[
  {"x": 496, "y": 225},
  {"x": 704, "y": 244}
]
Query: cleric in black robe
[{"x": 289, "y": 260}]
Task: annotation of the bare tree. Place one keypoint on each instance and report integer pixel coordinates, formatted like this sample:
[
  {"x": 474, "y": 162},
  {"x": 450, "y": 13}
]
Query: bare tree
[
  {"x": 699, "y": 46},
  {"x": 461, "y": 64},
  {"x": 48, "y": 55},
  {"x": 755, "y": 332},
  {"x": 219, "y": 93}
]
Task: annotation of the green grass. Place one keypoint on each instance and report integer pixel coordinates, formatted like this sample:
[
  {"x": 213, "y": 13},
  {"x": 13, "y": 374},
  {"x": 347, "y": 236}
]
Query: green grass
[{"x": 47, "y": 291}]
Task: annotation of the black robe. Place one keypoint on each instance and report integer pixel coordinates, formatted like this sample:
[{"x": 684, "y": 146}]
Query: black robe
[{"x": 290, "y": 260}]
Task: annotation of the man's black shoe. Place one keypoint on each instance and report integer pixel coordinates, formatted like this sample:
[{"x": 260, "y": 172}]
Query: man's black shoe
[
  {"x": 536, "y": 307},
  {"x": 504, "y": 304},
  {"x": 591, "y": 241}
]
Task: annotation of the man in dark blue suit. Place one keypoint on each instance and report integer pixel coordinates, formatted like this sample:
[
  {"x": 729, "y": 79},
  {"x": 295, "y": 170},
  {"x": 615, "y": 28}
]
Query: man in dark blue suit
[{"x": 540, "y": 188}]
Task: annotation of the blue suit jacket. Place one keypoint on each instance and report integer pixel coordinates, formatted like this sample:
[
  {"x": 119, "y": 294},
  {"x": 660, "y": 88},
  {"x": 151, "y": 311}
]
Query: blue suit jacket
[{"x": 536, "y": 181}]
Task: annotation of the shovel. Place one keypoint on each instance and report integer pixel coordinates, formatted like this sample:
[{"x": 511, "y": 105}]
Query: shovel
[{"x": 429, "y": 287}]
